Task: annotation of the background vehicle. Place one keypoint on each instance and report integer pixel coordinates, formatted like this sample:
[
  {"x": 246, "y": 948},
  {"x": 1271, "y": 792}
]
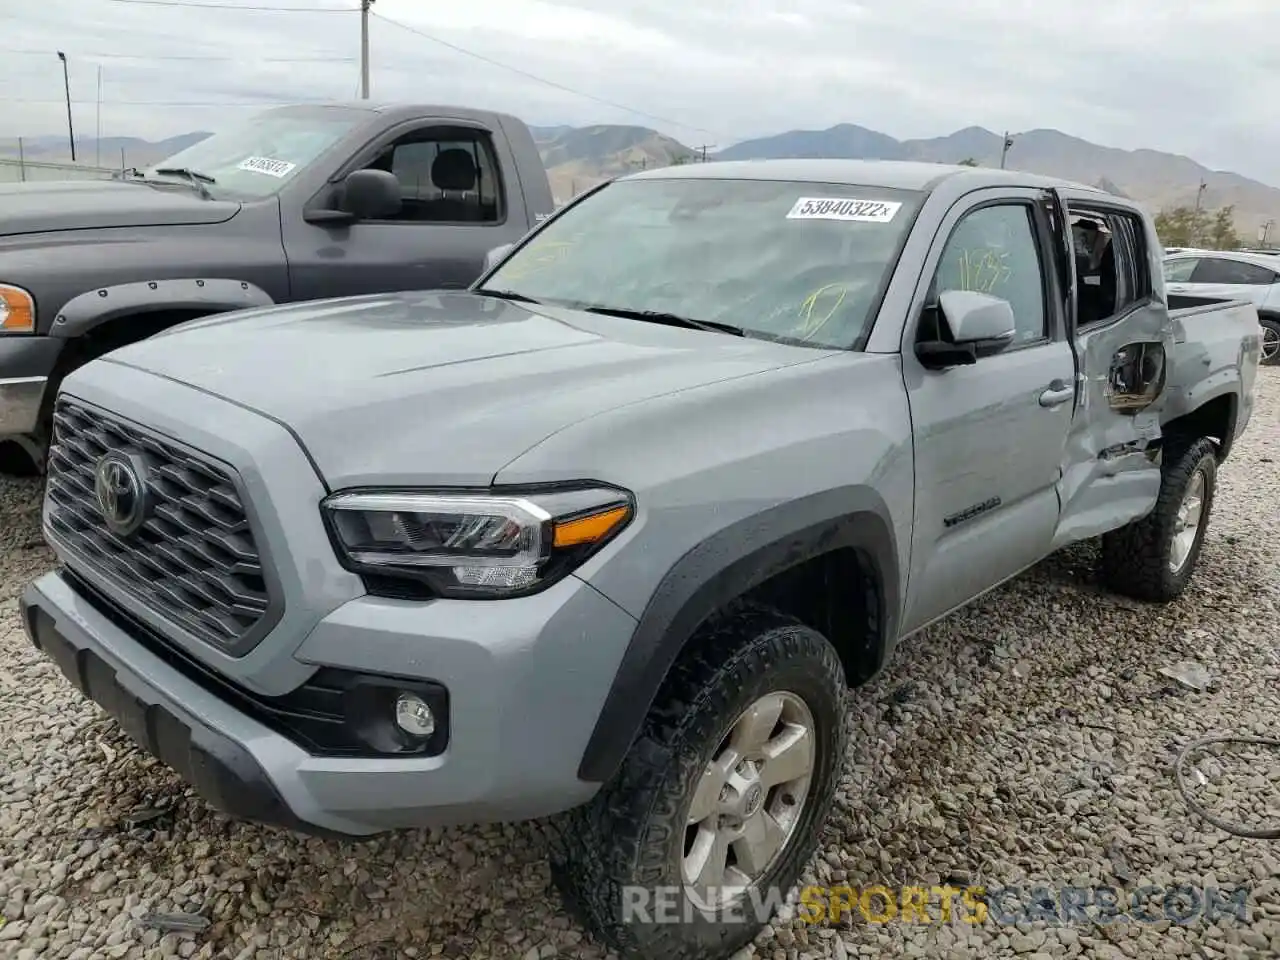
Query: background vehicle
[
  {"x": 1229, "y": 275},
  {"x": 299, "y": 203},
  {"x": 606, "y": 538}
]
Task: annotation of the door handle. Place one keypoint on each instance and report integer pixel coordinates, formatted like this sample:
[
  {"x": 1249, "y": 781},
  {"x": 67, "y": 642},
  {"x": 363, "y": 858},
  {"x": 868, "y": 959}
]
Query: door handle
[{"x": 1057, "y": 393}]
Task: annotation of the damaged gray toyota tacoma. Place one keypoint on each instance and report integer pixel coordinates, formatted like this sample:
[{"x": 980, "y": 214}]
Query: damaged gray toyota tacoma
[{"x": 605, "y": 539}]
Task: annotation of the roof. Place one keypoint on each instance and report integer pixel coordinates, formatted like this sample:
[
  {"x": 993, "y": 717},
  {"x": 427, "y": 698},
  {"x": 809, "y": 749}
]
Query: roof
[
  {"x": 1267, "y": 260},
  {"x": 889, "y": 174},
  {"x": 394, "y": 110}
]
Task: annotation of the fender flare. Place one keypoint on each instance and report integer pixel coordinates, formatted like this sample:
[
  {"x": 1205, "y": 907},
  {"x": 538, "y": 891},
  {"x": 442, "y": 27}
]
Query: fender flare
[
  {"x": 83, "y": 313},
  {"x": 723, "y": 567}
]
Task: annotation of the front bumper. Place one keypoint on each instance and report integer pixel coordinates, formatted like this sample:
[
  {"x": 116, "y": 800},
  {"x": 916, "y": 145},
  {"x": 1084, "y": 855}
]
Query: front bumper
[
  {"x": 26, "y": 363},
  {"x": 524, "y": 693}
]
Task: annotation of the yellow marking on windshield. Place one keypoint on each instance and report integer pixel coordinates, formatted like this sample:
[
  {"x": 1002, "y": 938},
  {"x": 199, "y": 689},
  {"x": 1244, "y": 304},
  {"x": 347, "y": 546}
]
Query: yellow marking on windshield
[
  {"x": 811, "y": 318},
  {"x": 539, "y": 256}
]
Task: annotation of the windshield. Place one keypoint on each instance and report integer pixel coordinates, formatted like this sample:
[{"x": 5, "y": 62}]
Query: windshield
[
  {"x": 255, "y": 159},
  {"x": 791, "y": 261}
]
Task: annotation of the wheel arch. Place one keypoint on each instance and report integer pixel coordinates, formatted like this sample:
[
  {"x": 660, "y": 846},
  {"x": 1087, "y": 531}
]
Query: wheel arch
[
  {"x": 1214, "y": 418},
  {"x": 184, "y": 296},
  {"x": 841, "y": 533}
]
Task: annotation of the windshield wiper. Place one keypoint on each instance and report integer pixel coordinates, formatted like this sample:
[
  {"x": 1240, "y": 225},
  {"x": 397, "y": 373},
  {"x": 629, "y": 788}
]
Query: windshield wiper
[
  {"x": 194, "y": 177},
  {"x": 504, "y": 295},
  {"x": 670, "y": 319}
]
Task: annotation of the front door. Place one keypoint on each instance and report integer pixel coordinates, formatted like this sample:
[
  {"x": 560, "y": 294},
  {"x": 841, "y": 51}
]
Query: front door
[
  {"x": 989, "y": 437},
  {"x": 457, "y": 206}
]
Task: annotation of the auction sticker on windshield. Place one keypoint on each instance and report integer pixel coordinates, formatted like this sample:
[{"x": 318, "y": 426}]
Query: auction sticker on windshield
[
  {"x": 844, "y": 208},
  {"x": 272, "y": 168}
]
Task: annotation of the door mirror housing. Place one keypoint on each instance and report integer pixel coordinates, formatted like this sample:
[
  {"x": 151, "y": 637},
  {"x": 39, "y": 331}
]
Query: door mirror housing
[
  {"x": 969, "y": 325},
  {"x": 496, "y": 256},
  {"x": 370, "y": 195},
  {"x": 977, "y": 318}
]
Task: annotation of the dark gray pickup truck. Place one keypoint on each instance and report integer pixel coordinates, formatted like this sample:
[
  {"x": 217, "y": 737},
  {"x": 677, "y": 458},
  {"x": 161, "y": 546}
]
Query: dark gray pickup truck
[{"x": 299, "y": 203}]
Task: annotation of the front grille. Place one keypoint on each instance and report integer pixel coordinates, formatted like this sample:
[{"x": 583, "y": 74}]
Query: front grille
[{"x": 193, "y": 562}]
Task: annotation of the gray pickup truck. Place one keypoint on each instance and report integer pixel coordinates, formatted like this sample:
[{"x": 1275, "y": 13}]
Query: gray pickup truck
[
  {"x": 681, "y": 468},
  {"x": 298, "y": 203}
]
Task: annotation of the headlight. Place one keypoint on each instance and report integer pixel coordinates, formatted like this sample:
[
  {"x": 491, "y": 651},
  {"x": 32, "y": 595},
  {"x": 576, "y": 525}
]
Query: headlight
[
  {"x": 474, "y": 544},
  {"x": 17, "y": 310}
]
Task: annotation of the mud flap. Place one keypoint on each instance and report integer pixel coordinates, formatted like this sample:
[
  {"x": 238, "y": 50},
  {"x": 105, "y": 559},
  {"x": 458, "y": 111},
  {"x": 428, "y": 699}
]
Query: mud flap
[{"x": 1110, "y": 472}]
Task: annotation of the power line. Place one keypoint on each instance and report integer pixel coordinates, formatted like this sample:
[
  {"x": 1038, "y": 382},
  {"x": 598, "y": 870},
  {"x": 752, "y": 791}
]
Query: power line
[
  {"x": 235, "y": 6},
  {"x": 535, "y": 77},
  {"x": 140, "y": 56},
  {"x": 168, "y": 103}
]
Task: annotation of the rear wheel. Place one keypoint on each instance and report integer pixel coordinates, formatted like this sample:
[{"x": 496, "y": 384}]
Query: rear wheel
[
  {"x": 1270, "y": 341},
  {"x": 1154, "y": 558},
  {"x": 701, "y": 835}
]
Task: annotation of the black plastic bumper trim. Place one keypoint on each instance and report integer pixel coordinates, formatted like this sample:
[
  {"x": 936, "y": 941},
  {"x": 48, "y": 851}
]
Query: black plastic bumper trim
[{"x": 223, "y": 772}]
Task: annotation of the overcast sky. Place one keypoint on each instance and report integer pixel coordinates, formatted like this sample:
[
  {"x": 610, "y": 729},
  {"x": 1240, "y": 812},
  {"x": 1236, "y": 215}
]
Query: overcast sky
[{"x": 1198, "y": 79}]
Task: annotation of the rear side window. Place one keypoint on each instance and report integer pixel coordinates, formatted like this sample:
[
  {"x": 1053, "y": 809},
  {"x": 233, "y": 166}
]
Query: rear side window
[
  {"x": 1179, "y": 271},
  {"x": 1223, "y": 270},
  {"x": 1113, "y": 270}
]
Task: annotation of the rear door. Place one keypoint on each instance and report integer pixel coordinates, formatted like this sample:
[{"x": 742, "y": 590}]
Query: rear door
[
  {"x": 461, "y": 198},
  {"x": 1109, "y": 474}
]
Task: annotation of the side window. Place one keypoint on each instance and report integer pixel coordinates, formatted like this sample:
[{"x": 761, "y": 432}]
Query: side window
[
  {"x": 1222, "y": 270},
  {"x": 447, "y": 174},
  {"x": 994, "y": 250},
  {"x": 1179, "y": 271},
  {"x": 1112, "y": 263}
]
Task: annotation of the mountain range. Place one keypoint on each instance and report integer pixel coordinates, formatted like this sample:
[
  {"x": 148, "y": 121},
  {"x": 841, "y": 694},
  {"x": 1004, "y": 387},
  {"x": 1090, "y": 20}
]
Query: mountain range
[{"x": 580, "y": 157}]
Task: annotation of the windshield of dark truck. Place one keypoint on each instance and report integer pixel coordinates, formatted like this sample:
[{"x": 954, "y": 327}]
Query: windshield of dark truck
[
  {"x": 255, "y": 159},
  {"x": 794, "y": 261}
]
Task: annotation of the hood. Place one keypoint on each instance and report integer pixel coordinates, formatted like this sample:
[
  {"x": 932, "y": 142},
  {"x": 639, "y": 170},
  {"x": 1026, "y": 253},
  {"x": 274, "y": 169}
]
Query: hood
[
  {"x": 439, "y": 388},
  {"x": 40, "y": 206}
]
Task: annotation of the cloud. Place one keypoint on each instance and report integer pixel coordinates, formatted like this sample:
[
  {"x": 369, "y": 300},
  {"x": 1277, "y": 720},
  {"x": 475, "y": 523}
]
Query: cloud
[{"x": 1125, "y": 73}]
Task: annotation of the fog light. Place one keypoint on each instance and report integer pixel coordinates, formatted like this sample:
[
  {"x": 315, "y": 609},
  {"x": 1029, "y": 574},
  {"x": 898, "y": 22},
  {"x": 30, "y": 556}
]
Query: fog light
[{"x": 413, "y": 716}]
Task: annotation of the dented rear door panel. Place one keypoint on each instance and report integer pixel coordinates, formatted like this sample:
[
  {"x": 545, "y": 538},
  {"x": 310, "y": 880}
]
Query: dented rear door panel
[{"x": 1111, "y": 470}]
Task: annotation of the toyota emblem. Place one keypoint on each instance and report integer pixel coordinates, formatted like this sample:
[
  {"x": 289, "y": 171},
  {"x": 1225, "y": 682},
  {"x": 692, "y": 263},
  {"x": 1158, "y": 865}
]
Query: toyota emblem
[{"x": 121, "y": 492}]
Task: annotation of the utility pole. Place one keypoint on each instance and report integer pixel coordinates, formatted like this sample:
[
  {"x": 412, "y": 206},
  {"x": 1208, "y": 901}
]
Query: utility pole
[
  {"x": 1195, "y": 218},
  {"x": 364, "y": 48},
  {"x": 1265, "y": 233},
  {"x": 97, "y": 140},
  {"x": 1004, "y": 150},
  {"x": 66, "y": 82}
]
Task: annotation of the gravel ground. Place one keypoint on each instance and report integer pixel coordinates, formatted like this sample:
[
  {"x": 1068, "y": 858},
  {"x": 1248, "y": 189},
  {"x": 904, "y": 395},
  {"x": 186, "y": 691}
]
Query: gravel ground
[{"x": 1028, "y": 739}]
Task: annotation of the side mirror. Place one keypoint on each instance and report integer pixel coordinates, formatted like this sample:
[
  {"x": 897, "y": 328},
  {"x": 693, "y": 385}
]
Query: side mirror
[
  {"x": 970, "y": 325},
  {"x": 495, "y": 256},
  {"x": 371, "y": 195},
  {"x": 977, "y": 318}
]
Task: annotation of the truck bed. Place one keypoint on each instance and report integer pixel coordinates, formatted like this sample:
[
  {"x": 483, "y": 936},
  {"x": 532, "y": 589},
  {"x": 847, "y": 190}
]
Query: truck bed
[{"x": 1208, "y": 359}]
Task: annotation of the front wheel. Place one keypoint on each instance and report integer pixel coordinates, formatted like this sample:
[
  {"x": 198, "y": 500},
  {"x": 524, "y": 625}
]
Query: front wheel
[
  {"x": 719, "y": 804},
  {"x": 1153, "y": 558}
]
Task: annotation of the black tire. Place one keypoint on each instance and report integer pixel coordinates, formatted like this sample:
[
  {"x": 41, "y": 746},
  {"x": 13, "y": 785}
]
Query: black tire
[
  {"x": 24, "y": 456},
  {"x": 1136, "y": 558},
  {"x": 631, "y": 836},
  {"x": 1271, "y": 328}
]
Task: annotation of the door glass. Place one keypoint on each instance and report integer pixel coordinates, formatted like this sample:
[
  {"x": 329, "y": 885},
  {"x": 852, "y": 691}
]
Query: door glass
[
  {"x": 447, "y": 175},
  {"x": 1222, "y": 270},
  {"x": 994, "y": 250},
  {"x": 1179, "y": 271}
]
